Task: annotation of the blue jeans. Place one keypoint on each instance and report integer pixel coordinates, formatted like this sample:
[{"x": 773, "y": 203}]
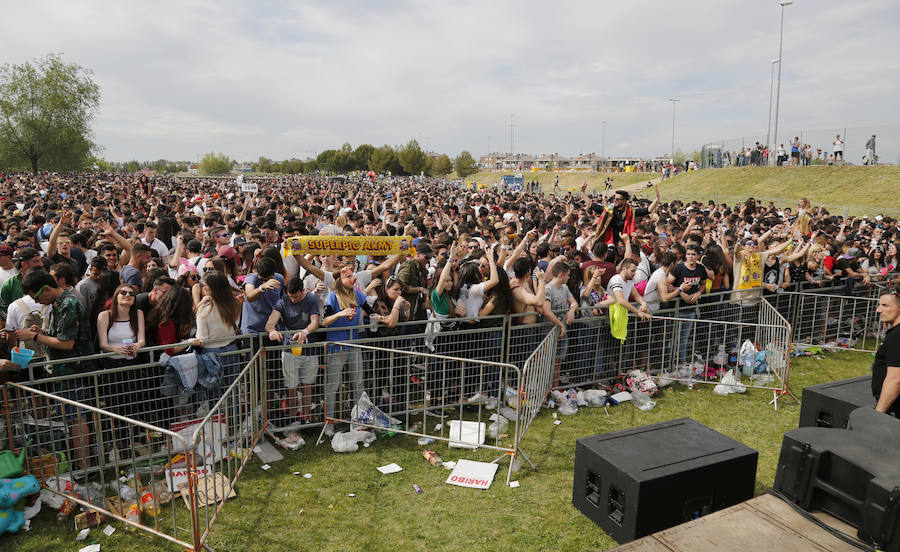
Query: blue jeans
[{"x": 684, "y": 332}]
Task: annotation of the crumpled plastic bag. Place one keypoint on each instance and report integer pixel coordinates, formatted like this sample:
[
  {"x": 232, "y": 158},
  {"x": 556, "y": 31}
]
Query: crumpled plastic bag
[
  {"x": 748, "y": 357},
  {"x": 568, "y": 402},
  {"x": 729, "y": 384},
  {"x": 498, "y": 426},
  {"x": 591, "y": 397},
  {"x": 642, "y": 400},
  {"x": 364, "y": 412},
  {"x": 348, "y": 441}
]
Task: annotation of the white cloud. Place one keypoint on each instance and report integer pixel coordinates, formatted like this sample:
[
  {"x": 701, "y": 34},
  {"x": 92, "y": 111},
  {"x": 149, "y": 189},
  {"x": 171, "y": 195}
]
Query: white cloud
[{"x": 285, "y": 80}]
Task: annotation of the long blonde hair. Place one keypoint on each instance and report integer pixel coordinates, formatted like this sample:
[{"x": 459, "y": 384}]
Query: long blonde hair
[
  {"x": 346, "y": 296},
  {"x": 802, "y": 223}
]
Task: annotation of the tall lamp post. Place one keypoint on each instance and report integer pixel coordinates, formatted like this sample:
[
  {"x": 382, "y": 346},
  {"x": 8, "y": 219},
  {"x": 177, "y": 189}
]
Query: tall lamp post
[
  {"x": 673, "y": 100},
  {"x": 603, "y": 147},
  {"x": 771, "y": 93},
  {"x": 783, "y": 4}
]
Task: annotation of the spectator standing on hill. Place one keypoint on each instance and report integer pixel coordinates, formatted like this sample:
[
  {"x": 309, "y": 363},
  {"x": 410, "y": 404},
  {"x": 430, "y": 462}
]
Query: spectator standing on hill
[
  {"x": 838, "y": 149},
  {"x": 870, "y": 151}
]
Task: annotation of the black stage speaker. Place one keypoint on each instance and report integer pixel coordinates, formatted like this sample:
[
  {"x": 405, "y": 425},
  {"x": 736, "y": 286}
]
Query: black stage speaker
[
  {"x": 639, "y": 481},
  {"x": 853, "y": 474},
  {"x": 830, "y": 404}
]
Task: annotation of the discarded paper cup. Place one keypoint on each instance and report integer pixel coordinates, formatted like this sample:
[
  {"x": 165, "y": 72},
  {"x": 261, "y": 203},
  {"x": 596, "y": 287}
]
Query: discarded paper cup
[{"x": 22, "y": 356}]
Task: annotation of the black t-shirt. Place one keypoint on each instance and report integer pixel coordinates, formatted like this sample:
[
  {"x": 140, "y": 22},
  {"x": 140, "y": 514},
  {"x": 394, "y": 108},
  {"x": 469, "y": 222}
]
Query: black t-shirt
[
  {"x": 770, "y": 276},
  {"x": 888, "y": 354},
  {"x": 618, "y": 221},
  {"x": 689, "y": 279},
  {"x": 57, "y": 258},
  {"x": 142, "y": 302},
  {"x": 798, "y": 275}
]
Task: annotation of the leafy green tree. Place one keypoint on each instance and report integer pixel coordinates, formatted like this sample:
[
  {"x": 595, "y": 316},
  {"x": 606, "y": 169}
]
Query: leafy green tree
[
  {"x": 412, "y": 158},
  {"x": 132, "y": 166},
  {"x": 441, "y": 166},
  {"x": 46, "y": 110},
  {"x": 384, "y": 159},
  {"x": 465, "y": 164},
  {"x": 213, "y": 163},
  {"x": 361, "y": 156},
  {"x": 263, "y": 165}
]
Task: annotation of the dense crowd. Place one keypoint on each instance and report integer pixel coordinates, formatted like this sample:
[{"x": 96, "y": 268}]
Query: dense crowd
[
  {"x": 796, "y": 154},
  {"x": 108, "y": 263}
]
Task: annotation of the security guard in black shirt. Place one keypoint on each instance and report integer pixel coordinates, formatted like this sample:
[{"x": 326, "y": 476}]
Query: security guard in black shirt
[{"x": 886, "y": 366}]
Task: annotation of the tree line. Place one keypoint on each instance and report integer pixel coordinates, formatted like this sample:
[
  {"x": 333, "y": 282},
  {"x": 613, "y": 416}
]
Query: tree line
[{"x": 409, "y": 159}]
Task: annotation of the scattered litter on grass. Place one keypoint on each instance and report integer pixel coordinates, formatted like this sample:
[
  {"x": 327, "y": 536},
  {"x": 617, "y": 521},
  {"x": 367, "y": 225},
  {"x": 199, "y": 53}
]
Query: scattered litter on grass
[
  {"x": 82, "y": 534},
  {"x": 498, "y": 425},
  {"x": 557, "y": 422},
  {"x": 449, "y": 465},
  {"x": 90, "y": 548},
  {"x": 417, "y": 489},
  {"x": 331, "y": 506},
  {"x": 465, "y": 434},
  {"x": 349, "y": 441},
  {"x": 642, "y": 400},
  {"x": 296, "y": 473},
  {"x": 301, "y": 511},
  {"x": 109, "y": 530},
  {"x": 432, "y": 457},
  {"x": 475, "y": 475},
  {"x": 389, "y": 468},
  {"x": 514, "y": 484},
  {"x": 351, "y": 495},
  {"x": 423, "y": 441},
  {"x": 265, "y": 466},
  {"x": 307, "y": 475}
]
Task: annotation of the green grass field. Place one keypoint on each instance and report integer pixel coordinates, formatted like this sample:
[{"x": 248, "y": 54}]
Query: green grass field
[
  {"x": 858, "y": 190},
  {"x": 275, "y": 510}
]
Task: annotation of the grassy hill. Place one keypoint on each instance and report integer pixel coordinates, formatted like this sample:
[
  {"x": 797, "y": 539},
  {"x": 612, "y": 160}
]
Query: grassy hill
[{"x": 855, "y": 190}]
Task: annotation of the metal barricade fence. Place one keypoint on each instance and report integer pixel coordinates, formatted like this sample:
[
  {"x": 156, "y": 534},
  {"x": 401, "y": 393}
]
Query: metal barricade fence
[
  {"x": 83, "y": 431},
  {"x": 470, "y": 390},
  {"x": 296, "y": 390},
  {"x": 835, "y": 321},
  {"x": 705, "y": 349}
]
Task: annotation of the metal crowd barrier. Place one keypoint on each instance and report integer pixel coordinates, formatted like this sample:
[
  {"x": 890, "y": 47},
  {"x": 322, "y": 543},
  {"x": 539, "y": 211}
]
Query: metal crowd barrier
[
  {"x": 111, "y": 440},
  {"x": 847, "y": 322},
  {"x": 460, "y": 393}
]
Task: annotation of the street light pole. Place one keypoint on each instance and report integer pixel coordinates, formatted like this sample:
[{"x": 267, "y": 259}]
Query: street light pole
[
  {"x": 673, "y": 100},
  {"x": 603, "y": 150},
  {"x": 771, "y": 92},
  {"x": 783, "y": 4}
]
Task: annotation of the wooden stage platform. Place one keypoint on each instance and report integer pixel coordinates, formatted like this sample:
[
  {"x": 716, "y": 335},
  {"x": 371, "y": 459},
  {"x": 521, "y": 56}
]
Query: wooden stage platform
[{"x": 764, "y": 523}]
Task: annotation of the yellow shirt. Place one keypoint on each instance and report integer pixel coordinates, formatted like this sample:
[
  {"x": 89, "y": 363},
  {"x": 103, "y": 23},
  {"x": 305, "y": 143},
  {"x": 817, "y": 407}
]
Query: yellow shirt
[{"x": 751, "y": 272}]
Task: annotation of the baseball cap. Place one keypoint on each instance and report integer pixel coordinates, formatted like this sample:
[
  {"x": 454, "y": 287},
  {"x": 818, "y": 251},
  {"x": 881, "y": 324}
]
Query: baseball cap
[
  {"x": 26, "y": 254},
  {"x": 227, "y": 252}
]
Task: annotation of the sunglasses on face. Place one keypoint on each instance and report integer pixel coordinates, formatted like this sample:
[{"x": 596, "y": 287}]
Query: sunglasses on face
[
  {"x": 225, "y": 235},
  {"x": 126, "y": 292}
]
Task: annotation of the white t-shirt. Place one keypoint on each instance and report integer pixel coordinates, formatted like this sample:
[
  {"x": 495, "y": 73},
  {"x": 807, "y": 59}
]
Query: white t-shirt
[
  {"x": 838, "y": 145},
  {"x": 617, "y": 282},
  {"x": 15, "y": 316},
  {"x": 643, "y": 269},
  {"x": 656, "y": 282},
  {"x": 474, "y": 299},
  {"x": 7, "y": 274},
  {"x": 157, "y": 246}
]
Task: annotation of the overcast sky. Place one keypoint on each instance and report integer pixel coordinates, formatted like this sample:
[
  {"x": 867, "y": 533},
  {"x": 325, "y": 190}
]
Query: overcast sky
[{"x": 291, "y": 79}]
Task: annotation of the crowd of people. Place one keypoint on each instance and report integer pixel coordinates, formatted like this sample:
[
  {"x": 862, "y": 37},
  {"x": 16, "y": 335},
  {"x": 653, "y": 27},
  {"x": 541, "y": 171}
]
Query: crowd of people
[
  {"x": 109, "y": 263},
  {"x": 795, "y": 154}
]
